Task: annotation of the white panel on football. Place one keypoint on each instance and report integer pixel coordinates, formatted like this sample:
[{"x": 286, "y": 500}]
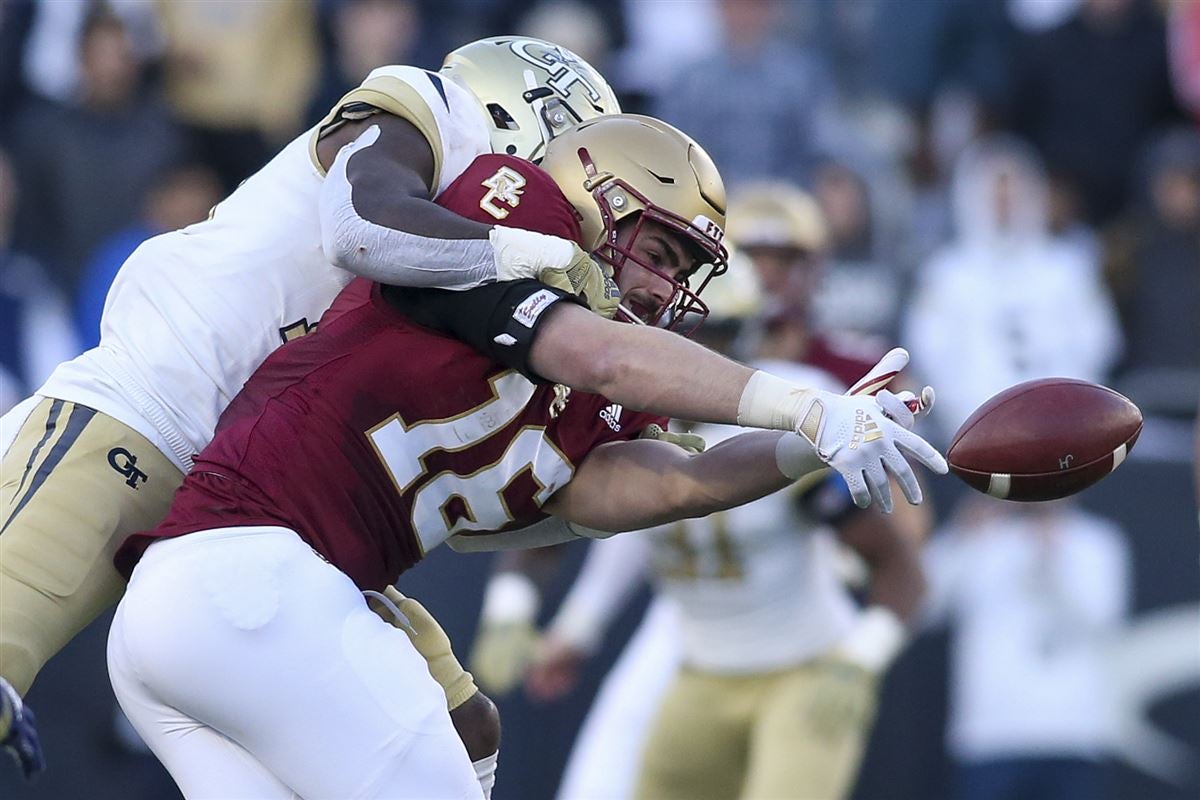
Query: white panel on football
[
  {"x": 1119, "y": 456},
  {"x": 999, "y": 484}
]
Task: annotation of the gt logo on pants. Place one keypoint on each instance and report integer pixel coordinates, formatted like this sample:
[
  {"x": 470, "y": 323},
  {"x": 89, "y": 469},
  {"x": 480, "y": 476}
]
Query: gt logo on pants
[{"x": 125, "y": 463}]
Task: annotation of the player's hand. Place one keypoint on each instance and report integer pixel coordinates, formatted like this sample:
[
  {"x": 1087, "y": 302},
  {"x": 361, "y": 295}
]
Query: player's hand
[
  {"x": 18, "y": 731},
  {"x": 555, "y": 670},
  {"x": 843, "y": 699},
  {"x": 904, "y": 408},
  {"x": 429, "y": 640},
  {"x": 557, "y": 262},
  {"x": 502, "y": 653},
  {"x": 690, "y": 442},
  {"x": 591, "y": 280},
  {"x": 857, "y": 436}
]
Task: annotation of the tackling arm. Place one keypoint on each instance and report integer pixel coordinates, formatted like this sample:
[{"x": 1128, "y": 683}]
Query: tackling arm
[{"x": 378, "y": 219}]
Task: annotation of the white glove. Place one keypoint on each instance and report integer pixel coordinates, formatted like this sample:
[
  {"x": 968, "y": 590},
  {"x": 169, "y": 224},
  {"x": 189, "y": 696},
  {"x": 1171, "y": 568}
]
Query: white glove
[
  {"x": 557, "y": 262},
  {"x": 524, "y": 254},
  {"x": 855, "y": 434}
]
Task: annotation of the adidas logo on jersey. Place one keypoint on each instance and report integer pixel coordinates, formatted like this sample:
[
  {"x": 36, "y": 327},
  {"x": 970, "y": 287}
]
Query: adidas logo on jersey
[{"x": 612, "y": 415}]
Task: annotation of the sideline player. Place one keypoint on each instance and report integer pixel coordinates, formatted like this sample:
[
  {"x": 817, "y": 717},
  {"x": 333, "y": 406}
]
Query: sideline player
[
  {"x": 246, "y": 659},
  {"x": 98, "y": 452}
]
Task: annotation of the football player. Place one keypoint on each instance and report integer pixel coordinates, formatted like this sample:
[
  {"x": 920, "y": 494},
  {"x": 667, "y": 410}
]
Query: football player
[
  {"x": 753, "y": 673},
  {"x": 98, "y": 452},
  {"x": 243, "y": 652}
]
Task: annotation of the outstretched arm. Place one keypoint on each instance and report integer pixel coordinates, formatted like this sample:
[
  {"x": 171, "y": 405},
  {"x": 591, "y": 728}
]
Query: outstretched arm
[
  {"x": 378, "y": 218},
  {"x": 643, "y": 368},
  {"x": 625, "y": 486},
  {"x": 648, "y": 369},
  {"x": 863, "y": 435}
]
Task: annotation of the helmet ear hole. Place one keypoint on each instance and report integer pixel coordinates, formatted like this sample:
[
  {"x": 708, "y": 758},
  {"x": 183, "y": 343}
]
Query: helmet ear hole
[
  {"x": 539, "y": 89},
  {"x": 501, "y": 118}
]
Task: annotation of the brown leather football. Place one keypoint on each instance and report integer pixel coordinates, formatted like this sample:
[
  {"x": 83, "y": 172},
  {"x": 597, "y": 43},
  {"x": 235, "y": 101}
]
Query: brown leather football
[{"x": 1044, "y": 439}]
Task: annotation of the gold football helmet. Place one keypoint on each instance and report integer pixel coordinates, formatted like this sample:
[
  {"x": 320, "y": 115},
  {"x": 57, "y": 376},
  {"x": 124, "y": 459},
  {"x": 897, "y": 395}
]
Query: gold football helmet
[
  {"x": 771, "y": 214},
  {"x": 617, "y": 166},
  {"x": 531, "y": 90}
]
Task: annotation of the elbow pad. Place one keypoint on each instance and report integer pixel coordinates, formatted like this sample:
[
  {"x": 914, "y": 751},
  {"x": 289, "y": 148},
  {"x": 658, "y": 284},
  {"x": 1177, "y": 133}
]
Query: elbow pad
[{"x": 390, "y": 255}]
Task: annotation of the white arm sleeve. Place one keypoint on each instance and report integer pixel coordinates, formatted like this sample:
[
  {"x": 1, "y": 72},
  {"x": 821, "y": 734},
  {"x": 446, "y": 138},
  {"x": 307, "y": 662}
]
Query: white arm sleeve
[
  {"x": 544, "y": 533},
  {"x": 401, "y": 258},
  {"x": 613, "y": 569},
  {"x": 388, "y": 255}
]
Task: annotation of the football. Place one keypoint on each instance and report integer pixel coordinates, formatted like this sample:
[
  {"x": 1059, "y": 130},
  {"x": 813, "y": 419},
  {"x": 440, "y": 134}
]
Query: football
[{"x": 1044, "y": 439}]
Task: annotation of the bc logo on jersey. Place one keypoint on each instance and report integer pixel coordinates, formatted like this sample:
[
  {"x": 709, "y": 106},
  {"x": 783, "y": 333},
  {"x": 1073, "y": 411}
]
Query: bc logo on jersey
[{"x": 506, "y": 187}]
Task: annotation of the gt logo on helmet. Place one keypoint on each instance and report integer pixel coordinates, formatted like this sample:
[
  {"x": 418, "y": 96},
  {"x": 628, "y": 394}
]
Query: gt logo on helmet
[{"x": 561, "y": 64}]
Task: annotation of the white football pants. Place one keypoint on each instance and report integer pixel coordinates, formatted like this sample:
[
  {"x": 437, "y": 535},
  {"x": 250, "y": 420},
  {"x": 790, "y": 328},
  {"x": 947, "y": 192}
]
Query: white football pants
[{"x": 254, "y": 669}]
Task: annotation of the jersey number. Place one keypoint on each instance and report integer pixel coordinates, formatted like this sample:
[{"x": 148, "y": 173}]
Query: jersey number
[
  {"x": 687, "y": 561},
  {"x": 451, "y": 502}
]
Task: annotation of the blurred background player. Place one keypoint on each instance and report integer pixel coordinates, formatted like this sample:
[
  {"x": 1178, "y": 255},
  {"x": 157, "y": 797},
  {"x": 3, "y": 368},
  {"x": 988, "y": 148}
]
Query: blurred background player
[{"x": 752, "y": 673}]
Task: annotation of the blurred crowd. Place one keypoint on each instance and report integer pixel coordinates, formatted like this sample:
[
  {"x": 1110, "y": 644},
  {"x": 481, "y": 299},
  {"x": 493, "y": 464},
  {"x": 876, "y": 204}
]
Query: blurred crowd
[
  {"x": 1026, "y": 169},
  {"x": 1008, "y": 188}
]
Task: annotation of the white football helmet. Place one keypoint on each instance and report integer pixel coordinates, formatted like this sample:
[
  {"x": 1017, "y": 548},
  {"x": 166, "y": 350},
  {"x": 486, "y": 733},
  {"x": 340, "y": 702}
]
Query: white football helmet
[{"x": 530, "y": 89}]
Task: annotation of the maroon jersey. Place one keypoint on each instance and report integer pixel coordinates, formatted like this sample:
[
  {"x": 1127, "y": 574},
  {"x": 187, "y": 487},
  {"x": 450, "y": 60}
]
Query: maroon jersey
[{"x": 376, "y": 439}]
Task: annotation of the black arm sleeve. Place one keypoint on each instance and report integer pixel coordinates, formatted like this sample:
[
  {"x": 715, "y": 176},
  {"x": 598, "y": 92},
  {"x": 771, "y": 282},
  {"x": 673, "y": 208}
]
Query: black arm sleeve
[{"x": 499, "y": 320}]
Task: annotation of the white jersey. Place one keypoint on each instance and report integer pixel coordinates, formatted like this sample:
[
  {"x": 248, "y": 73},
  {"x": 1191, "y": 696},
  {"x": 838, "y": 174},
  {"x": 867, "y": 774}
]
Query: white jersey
[
  {"x": 758, "y": 587},
  {"x": 194, "y": 312}
]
